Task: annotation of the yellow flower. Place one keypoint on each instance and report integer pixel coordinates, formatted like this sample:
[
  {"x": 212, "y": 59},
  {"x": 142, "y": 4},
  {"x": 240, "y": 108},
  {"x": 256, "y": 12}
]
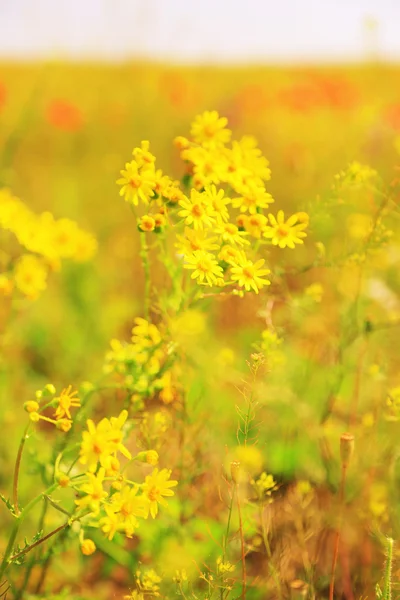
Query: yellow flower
[
  {"x": 65, "y": 401},
  {"x": 136, "y": 185},
  {"x": 193, "y": 240},
  {"x": 30, "y": 275},
  {"x": 128, "y": 505},
  {"x": 250, "y": 275},
  {"x": 229, "y": 254},
  {"x": 102, "y": 441},
  {"x": 287, "y": 233},
  {"x": 145, "y": 334},
  {"x": 218, "y": 201},
  {"x": 209, "y": 129},
  {"x": 205, "y": 267},
  {"x": 197, "y": 211},
  {"x": 156, "y": 486},
  {"x": 230, "y": 234},
  {"x": 147, "y": 223},
  {"x": 255, "y": 224},
  {"x": 143, "y": 157},
  {"x": 252, "y": 198},
  {"x": 94, "y": 494}
]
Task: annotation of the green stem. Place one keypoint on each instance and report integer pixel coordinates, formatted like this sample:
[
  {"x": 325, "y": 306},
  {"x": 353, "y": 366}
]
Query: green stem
[
  {"x": 18, "y": 521},
  {"x": 144, "y": 255},
  {"x": 225, "y": 540},
  {"x": 17, "y": 467},
  {"x": 387, "y": 589}
]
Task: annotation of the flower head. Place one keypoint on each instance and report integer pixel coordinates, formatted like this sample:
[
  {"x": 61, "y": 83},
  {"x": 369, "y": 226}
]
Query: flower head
[
  {"x": 156, "y": 486},
  {"x": 205, "y": 267},
  {"x": 286, "y": 233},
  {"x": 250, "y": 275}
]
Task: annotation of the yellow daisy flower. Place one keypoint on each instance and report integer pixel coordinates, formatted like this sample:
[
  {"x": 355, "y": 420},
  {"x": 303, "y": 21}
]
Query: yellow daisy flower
[
  {"x": 205, "y": 267},
  {"x": 209, "y": 129},
  {"x": 137, "y": 185},
  {"x": 286, "y": 233},
  {"x": 156, "y": 486},
  {"x": 197, "y": 211},
  {"x": 250, "y": 275}
]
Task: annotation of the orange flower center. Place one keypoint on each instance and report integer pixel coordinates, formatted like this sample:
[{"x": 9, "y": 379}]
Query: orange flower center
[
  {"x": 134, "y": 182},
  {"x": 154, "y": 494},
  {"x": 197, "y": 210}
]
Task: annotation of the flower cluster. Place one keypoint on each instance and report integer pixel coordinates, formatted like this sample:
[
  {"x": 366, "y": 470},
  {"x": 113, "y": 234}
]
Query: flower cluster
[
  {"x": 47, "y": 241},
  {"x": 46, "y": 399},
  {"x": 220, "y": 221},
  {"x": 146, "y": 364},
  {"x": 107, "y": 497}
]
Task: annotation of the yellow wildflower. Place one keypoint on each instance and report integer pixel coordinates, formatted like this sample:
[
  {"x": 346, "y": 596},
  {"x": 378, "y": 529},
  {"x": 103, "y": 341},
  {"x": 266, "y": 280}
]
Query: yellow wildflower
[
  {"x": 143, "y": 157},
  {"x": 156, "y": 486},
  {"x": 65, "y": 400},
  {"x": 136, "y": 185},
  {"x": 145, "y": 334},
  {"x": 286, "y": 233},
  {"x": 30, "y": 275},
  {"x": 255, "y": 224},
  {"x": 197, "y": 211},
  {"x": 93, "y": 491},
  {"x": 205, "y": 267},
  {"x": 230, "y": 234},
  {"x": 209, "y": 129},
  {"x": 193, "y": 240},
  {"x": 147, "y": 223},
  {"x": 252, "y": 198},
  {"x": 249, "y": 275}
]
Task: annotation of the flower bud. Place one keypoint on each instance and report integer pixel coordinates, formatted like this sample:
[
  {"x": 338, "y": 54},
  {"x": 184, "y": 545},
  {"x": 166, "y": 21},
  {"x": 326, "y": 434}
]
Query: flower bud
[
  {"x": 31, "y": 406},
  {"x": 149, "y": 456},
  {"x": 49, "y": 390},
  {"x": 63, "y": 479},
  {"x": 34, "y": 416},
  {"x": 346, "y": 448},
  {"x": 88, "y": 547},
  {"x": 64, "y": 425}
]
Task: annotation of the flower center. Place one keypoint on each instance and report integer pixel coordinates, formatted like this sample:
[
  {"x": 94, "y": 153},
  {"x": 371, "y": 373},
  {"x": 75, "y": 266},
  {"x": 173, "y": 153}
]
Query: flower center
[
  {"x": 134, "y": 182},
  {"x": 197, "y": 210},
  {"x": 153, "y": 494}
]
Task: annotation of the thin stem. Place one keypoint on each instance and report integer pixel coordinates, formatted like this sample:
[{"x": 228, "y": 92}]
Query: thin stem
[
  {"x": 337, "y": 535},
  {"x": 32, "y": 561},
  {"x": 43, "y": 539},
  {"x": 241, "y": 543},
  {"x": 387, "y": 589},
  {"x": 18, "y": 521},
  {"x": 225, "y": 539},
  {"x": 17, "y": 467},
  {"x": 144, "y": 255}
]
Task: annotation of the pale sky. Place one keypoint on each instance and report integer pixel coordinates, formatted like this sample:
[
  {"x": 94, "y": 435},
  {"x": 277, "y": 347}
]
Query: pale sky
[{"x": 200, "y": 30}]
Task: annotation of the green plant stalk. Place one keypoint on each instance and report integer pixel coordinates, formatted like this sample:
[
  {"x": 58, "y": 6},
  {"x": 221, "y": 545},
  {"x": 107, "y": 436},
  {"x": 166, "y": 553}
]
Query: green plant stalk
[
  {"x": 387, "y": 587},
  {"x": 241, "y": 543},
  {"x": 17, "y": 524},
  {"x": 17, "y": 467},
  {"x": 144, "y": 255},
  {"x": 20, "y": 592},
  {"x": 225, "y": 540}
]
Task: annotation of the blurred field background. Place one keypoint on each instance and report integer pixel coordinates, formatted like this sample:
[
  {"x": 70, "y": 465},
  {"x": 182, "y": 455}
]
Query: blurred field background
[{"x": 66, "y": 129}]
